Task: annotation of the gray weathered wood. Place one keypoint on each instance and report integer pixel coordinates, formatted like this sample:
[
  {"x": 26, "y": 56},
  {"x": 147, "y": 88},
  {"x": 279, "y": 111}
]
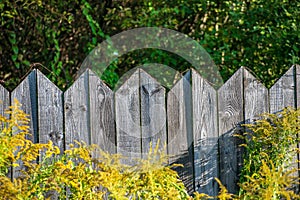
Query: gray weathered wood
[
  {"x": 50, "y": 112},
  {"x": 282, "y": 93},
  {"x": 102, "y": 117},
  {"x": 297, "y": 70},
  {"x": 76, "y": 110},
  {"x": 198, "y": 114},
  {"x": 26, "y": 94},
  {"x": 128, "y": 118},
  {"x": 4, "y": 101},
  {"x": 205, "y": 129},
  {"x": 180, "y": 134},
  {"x": 256, "y": 98},
  {"x": 230, "y": 106},
  {"x": 4, "y": 105},
  {"x": 153, "y": 113}
]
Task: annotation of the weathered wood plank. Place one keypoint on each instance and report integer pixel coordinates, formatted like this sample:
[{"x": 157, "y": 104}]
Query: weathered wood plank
[
  {"x": 298, "y": 85},
  {"x": 153, "y": 113},
  {"x": 282, "y": 93},
  {"x": 297, "y": 70},
  {"x": 4, "y": 101},
  {"x": 256, "y": 98},
  {"x": 230, "y": 106},
  {"x": 26, "y": 94},
  {"x": 102, "y": 117},
  {"x": 50, "y": 112},
  {"x": 180, "y": 134},
  {"x": 128, "y": 118},
  {"x": 4, "y": 104},
  {"x": 205, "y": 129},
  {"x": 76, "y": 110},
  {"x": 50, "y": 116}
]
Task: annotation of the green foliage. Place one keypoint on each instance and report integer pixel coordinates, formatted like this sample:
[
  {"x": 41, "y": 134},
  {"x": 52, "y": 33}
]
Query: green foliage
[
  {"x": 261, "y": 35},
  {"x": 270, "y": 182},
  {"x": 271, "y": 156}
]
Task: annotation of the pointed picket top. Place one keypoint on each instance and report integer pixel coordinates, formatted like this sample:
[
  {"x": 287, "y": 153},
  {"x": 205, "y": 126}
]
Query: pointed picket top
[
  {"x": 77, "y": 111},
  {"x": 176, "y": 109},
  {"x": 230, "y": 110},
  {"x": 256, "y": 97},
  {"x": 205, "y": 129},
  {"x": 102, "y": 116},
  {"x": 153, "y": 112},
  {"x": 50, "y": 111},
  {"x": 127, "y": 106},
  {"x": 282, "y": 93},
  {"x": 231, "y": 102},
  {"x": 180, "y": 133},
  {"x": 25, "y": 93}
]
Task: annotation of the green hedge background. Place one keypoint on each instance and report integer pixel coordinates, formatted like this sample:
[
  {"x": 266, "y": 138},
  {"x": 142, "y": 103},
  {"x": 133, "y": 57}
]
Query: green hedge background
[{"x": 56, "y": 36}]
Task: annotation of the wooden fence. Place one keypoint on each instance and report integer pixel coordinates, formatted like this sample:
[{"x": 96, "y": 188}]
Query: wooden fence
[{"x": 194, "y": 119}]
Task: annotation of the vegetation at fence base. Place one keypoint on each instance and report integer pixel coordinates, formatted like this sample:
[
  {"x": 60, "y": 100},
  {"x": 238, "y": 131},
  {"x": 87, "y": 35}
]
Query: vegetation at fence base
[
  {"x": 270, "y": 168},
  {"x": 262, "y": 35},
  {"x": 42, "y": 170},
  {"x": 86, "y": 172}
]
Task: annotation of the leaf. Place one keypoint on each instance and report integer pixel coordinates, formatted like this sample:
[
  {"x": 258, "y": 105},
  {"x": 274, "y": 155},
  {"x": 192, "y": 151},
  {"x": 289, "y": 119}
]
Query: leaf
[
  {"x": 15, "y": 49},
  {"x": 14, "y": 57}
]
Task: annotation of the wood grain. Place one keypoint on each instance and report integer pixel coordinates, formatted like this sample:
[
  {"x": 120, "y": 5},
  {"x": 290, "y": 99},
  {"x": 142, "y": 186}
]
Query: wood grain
[
  {"x": 102, "y": 116},
  {"x": 180, "y": 134},
  {"x": 4, "y": 101},
  {"x": 230, "y": 106},
  {"x": 26, "y": 94},
  {"x": 128, "y": 118},
  {"x": 282, "y": 93},
  {"x": 76, "y": 110},
  {"x": 256, "y": 98},
  {"x": 50, "y": 112},
  {"x": 205, "y": 129},
  {"x": 297, "y": 85},
  {"x": 4, "y": 104},
  {"x": 153, "y": 113}
]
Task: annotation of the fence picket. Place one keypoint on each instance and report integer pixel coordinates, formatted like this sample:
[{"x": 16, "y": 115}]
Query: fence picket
[
  {"x": 102, "y": 114},
  {"x": 230, "y": 106},
  {"x": 205, "y": 129},
  {"x": 4, "y": 104},
  {"x": 128, "y": 118},
  {"x": 26, "y": 94},
  {"x": 4, "y": 101},
  {"x": 282, "y": 93},
  {"x": 256, "y": 98},
  {"x": 50, "y": 112},
  {"x": 153, "y": 113},
  {"x": 76, "y": 109},
  {"x": 297, "y": 88},
  {"x": 180, "y": 129}
]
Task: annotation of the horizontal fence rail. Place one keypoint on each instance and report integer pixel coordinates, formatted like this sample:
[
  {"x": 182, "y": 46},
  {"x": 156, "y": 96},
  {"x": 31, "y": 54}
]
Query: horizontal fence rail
[{"x": 196, "y": 121}]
